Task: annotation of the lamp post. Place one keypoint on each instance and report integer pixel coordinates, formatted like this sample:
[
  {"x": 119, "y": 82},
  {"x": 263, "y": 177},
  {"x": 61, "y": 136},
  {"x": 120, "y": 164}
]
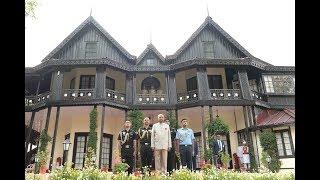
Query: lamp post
[
  {"x": 66, "y": 145},
  {"x": 268, "y": 158}
]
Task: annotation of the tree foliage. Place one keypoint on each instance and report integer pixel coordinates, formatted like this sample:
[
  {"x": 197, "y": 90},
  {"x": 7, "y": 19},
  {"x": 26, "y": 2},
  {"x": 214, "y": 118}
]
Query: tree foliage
[
  {"x": 92, "y": 142},
  {"x": 268, "y": 142},
  {"x": 173, "y": 120},
  {"x": 30, "y": 6},
  {"x": 217, "y": 126},
  {"x": 136, "y": 118}
]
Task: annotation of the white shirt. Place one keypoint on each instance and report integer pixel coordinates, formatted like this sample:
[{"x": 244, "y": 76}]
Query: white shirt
[{"x": 161, "y": 136}]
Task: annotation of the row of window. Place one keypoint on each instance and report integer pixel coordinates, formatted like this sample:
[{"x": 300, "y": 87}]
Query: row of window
[
  {"x": 88, "y": 82},
  {"x": 284, "y": 142},
  {"x": 279, "y": 83}
]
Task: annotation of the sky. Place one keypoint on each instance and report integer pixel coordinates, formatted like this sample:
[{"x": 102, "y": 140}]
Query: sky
[{"x": 264, "y": 28}]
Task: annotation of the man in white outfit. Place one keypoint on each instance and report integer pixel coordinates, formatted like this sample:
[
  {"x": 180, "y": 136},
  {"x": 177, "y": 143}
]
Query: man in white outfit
[{"x": 161, "y": 143}]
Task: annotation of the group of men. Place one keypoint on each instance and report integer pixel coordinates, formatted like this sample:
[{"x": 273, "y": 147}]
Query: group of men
[{"x": 159, "y": 145}]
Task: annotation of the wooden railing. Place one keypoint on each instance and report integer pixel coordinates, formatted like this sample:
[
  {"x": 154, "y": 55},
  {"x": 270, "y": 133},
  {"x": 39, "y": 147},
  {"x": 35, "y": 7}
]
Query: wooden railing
[
  {"x": 258, "y": 96},
  {"x": 151, "y": 99},
  {"x": 115, "y": 96},
  {"x": 189, "y": 96},
  {"x": 77, "y": 94},
  {"x": 225, "y": 94},
  {"x": 41, "y": 98}
]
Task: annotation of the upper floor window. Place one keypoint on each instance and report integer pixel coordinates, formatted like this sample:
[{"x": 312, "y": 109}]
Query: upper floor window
[
  {"x": 110, "y": 83},
  {"x": 150, "y": 62},
  {"x": 91, "y": 50},
  {"x": 87, "y": 81},
  {"x": 208, "y": 49},
  {"x": 279, "y": 84},
  {"x": 192, "y": 84},
  {"x": 215, "y": 81},
  {"x": 284, "y": 143}
]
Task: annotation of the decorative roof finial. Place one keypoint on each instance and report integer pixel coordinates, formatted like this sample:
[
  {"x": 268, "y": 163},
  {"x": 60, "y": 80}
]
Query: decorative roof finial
[
  {"x": 150, "y": 36},
  {"x": 90, "y": 11},
  {"x": 207, "y": 10}
]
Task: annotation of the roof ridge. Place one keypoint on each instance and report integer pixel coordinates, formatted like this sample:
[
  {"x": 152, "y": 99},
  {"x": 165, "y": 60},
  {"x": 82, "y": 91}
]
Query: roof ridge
[
  {"x": 91, "y": 20},
  {"x": 151, "y": 47}
]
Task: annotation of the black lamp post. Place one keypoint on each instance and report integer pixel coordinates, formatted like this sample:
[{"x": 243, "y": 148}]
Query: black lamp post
[{"x": 66, "y": 145}]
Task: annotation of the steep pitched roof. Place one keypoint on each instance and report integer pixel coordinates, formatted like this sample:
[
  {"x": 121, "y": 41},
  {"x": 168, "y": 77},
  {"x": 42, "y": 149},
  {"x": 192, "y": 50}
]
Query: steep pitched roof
[
  {"x": 209, "y": 21},
  {"x": 150, "y": 47},
  {"x": 79, "y": 28}
]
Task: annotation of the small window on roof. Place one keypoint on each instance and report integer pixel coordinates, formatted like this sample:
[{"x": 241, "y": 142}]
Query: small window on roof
[
  {"x": 150, "y": 62},
  {"x": 91, "y": 50},
  {"x": 208, "y": 49}
]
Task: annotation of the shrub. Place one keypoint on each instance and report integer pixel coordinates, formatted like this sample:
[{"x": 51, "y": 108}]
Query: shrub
[
  {"x": 269, "y": 144},
  {"x": 136, "y": 117},
  {"x": 120, "y": 167},
  {"x": 217, "y": 126}
]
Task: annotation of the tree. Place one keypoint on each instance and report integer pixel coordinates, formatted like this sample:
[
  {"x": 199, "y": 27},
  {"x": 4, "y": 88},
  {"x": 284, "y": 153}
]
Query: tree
[
  {"x": 268, "y": 142},
  {"x": 30, "y": 6},
  {"x": 136, "y": 117},
  {"x": 92, "y": 141},
  {"x": 173, "y": 121}
]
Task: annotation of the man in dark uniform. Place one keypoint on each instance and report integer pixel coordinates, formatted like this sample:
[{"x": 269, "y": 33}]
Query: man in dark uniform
[
  {"x": 127, "y": 145},
  {"x": 171, "y": 162},
  {"x": 144, "y": 138},
  {"x": 218, "y": 146}
]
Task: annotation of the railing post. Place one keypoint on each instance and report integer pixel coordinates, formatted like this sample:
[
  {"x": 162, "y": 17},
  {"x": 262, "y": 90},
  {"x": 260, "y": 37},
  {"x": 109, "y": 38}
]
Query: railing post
[
  {"x": 203, "y": 85},
  {"x": 244, "y": 84},
  {"x": 57, "y": 84},
  {"x": 171, "y": 88},
  {"x": 100, "y": 83},
  {"x": 129, "y": 88}
]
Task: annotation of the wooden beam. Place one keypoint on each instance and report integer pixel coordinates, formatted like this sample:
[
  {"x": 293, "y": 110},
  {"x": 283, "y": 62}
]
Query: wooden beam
[
  {"x": 54, "y": 137},
  {"x": 101, "y": 133},
  {"x": 29, "y": 134}
]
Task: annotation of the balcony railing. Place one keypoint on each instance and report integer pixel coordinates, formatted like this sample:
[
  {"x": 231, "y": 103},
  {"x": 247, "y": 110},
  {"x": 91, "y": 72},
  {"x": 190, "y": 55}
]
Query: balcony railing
[
  {"x": 77, "y": 94},
  {"x": 258, "y": 96},
  {"x": 225, "y": 94},
  {"x": 41, "y": 98},
  {"x": 151, "y": 99},
  {"x": 115, "y": 96},
  {"x": 189, "y": 96}
]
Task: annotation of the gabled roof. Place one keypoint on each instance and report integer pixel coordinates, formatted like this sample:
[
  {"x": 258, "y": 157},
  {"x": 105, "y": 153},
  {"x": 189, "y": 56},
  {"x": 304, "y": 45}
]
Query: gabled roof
[
  {"x": 79, "y": 28},
  {"x": 150, "y": 47},
  {"x": 209, "y": 21},
  {"x": 275, "y": 117}
]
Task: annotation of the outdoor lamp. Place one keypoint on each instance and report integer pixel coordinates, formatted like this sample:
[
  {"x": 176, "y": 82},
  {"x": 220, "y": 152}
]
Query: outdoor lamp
[
  {"x": 36, "y": 159},
  {"x": 268, "y": 159},
  {"x": 94, "y": 157},
  {"x": 66, "y": 144}
]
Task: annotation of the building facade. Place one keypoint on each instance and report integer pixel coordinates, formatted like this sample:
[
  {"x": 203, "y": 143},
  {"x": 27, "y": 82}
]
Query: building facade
[{"x": 209, "y": 75}]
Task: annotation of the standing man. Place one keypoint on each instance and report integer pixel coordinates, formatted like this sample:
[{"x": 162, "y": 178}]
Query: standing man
[
  {"x": 144, "y": 138},
  {"x": 171, "y": 160},
  {"x": 161, "y": 143},
  {"x": 218, "y": 146},
  {"x": 127, "y": 145},
  {"x": 186, "y": 140}
]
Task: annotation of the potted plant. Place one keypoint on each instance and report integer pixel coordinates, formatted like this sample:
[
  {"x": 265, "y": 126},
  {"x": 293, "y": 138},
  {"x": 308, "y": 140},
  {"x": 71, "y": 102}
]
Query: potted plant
[
  {"x": 42, "y": 161},
  {"x": 43, "y": 153},
  {"x": 225, "y": 159}
]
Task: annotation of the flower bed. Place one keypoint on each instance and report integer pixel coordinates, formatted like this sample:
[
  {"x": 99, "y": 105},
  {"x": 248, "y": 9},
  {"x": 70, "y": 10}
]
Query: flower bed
[{"x": 183, "y": 174}]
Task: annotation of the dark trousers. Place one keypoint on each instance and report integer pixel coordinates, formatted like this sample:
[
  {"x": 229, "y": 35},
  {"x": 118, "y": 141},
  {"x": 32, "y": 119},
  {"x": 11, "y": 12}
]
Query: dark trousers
[
  {"x": 194, "y": 163},
  {"x": 186, "y": 156},
  {"x": 127, "y": 157},
  {"x": 216, "y": 159},
  {"x": 171, "y": 162},
  {"x": 146, "y": 155}
]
